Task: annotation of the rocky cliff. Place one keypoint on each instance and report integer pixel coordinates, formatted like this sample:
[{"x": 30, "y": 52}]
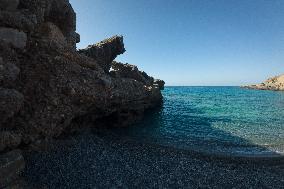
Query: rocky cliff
[
  {"x": 46, "y": 84},
  {"x": 275, "y": 83}
]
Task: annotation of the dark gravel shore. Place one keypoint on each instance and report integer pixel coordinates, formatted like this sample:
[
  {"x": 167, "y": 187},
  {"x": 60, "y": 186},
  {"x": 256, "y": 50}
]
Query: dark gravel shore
[{"x": 104, "y": 160}]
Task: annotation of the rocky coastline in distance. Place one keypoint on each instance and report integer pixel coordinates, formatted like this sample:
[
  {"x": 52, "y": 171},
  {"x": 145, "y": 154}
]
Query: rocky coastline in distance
[
  {"x": 46, "y": 85},
  {"x": 274, "y": 83}
]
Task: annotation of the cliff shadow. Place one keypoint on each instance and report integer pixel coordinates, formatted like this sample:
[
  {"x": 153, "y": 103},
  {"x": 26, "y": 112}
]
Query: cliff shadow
[{"x": 192, "y": 131}]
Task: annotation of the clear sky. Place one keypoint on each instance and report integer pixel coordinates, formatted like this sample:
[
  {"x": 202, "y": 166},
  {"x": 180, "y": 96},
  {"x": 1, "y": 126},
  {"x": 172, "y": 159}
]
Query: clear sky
[{"x": 191, "y": 42}]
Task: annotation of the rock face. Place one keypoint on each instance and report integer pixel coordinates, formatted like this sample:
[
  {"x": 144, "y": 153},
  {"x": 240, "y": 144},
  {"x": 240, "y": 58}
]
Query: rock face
[
  {"x": 105, "y": 51},
  {"x": 120, "y": 70},
  {"x": 11, "y": 102},
  {"x": 275, "y": 83},
  {"x": 159, "y": 83},
  {"x": 8, "y": 72},
  {"x": 9, "y": 4},
  {"x": 9, "y": 140},
  {"x": 45, "y": 84},
  {"x": 17, "y": 38}
]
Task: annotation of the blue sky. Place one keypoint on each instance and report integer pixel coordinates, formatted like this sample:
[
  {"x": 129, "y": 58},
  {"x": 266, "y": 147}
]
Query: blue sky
[{"x": 191, "y": 42}]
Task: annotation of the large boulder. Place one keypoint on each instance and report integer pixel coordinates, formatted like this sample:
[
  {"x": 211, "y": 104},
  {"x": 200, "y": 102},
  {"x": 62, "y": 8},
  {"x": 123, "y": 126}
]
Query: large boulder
[
  {"x": 50, "y": 33},
  {"x": 58, "y": 12},
  {"x": 15, "y": 37},
  {"x": 105, "y": 51},
  {"x": 20, "y": 20}
]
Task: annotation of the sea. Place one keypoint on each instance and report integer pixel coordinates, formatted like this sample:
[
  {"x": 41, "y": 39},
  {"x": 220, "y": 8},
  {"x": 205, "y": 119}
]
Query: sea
[{"x": 230, "y": 121}]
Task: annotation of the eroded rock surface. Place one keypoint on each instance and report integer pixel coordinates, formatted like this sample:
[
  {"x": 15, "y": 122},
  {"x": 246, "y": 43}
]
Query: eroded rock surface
[
  {"x": 8, "y": 73},
  {"x": 275, "y": 83},
  {"x": 159, "y": 83},
  {"x": 11, "y": 101},
  {"x": 9, "y": 4},
  {"x": 9, "y": 140},
  {"x": 105, "y": 51},
  {"x": 47, "y": 87},
  {"x": 17, "y": 38},
  {"x": 45, "y": 84},
  {"x": 120, "y": 70}
]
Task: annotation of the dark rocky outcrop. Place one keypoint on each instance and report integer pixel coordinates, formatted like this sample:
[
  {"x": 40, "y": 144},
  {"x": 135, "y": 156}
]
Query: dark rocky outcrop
[
  {"x": 11, "y": 102},
  {"x": 274, "y": 83},
  {"x": 120, "y": 70},
  {"x": 46, "y": 85},
  {"x": 159, "y": 83},
  {"x": 10, "y": 5},
  {"x": 8, "y": 73},
  {"x": 17, "y": 38},
  {"x": 105, "y": 51},
  {"x": 9, "y": 140}
]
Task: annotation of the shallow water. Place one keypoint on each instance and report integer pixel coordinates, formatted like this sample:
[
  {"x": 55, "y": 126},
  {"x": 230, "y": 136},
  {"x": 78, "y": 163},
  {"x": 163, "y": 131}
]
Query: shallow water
[{"x": 222, "y": 120}]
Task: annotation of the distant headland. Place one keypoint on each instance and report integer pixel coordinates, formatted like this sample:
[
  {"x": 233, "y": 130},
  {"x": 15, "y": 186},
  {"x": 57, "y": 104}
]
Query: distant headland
[{"x": 274, "y": 83}]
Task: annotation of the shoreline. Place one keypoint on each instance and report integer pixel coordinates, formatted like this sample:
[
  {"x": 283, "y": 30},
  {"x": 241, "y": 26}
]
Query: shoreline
[
  {"x": 93, "y": 159},
  {"x": 267, "y": 159}
]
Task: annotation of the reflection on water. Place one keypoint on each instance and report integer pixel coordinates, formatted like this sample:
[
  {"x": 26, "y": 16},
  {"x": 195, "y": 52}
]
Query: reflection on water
[{"x": 227, "y": 120}]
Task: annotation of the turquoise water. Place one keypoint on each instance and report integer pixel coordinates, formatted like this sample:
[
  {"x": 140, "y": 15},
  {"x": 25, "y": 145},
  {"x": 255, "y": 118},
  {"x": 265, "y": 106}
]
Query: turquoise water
[{"x": 222, "y": 120}]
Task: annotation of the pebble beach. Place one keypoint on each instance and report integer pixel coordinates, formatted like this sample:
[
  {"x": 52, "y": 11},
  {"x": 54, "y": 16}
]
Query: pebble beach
[{"x": 101, "y": 159}]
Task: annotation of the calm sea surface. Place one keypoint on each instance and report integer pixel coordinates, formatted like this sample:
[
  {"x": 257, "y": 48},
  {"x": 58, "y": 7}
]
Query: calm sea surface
[{"x": 221, "y": 120}]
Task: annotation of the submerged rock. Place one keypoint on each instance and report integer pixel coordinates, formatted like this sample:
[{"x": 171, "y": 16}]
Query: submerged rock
[{"x": 275, "y": 83}]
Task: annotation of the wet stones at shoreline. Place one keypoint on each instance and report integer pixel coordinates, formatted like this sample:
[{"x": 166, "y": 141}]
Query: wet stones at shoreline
[{"x": 108, "y": 160}]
